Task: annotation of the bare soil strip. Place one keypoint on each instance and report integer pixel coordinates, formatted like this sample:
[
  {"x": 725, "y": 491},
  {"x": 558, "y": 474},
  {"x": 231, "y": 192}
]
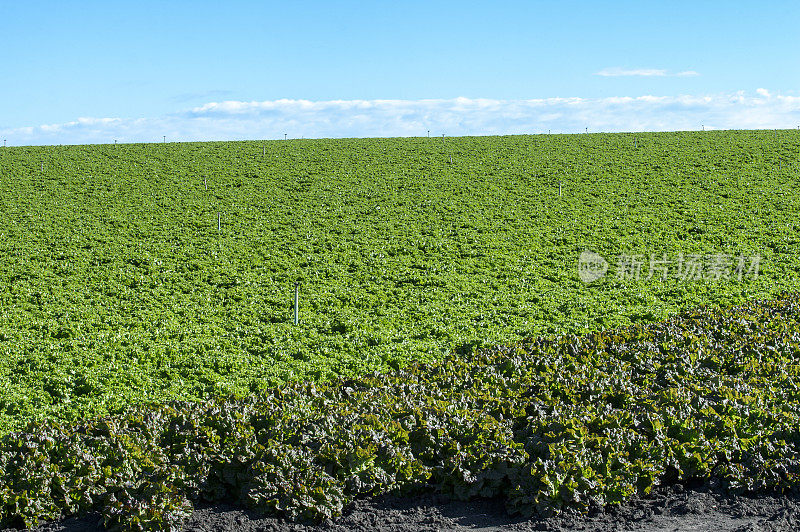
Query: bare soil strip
[{"x": 666, "y": 509}]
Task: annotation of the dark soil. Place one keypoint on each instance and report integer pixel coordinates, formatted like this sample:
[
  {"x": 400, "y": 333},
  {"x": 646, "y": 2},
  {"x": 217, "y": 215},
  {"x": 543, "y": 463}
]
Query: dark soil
[{"x": 667, "y": 508}]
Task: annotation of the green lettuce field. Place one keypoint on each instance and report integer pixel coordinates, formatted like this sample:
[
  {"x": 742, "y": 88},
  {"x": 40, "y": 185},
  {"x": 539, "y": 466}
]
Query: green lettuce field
[{"x": 135, "y": 276}]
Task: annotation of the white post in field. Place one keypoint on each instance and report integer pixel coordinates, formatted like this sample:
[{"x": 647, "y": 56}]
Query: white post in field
[{"x": 297, "y": 303}]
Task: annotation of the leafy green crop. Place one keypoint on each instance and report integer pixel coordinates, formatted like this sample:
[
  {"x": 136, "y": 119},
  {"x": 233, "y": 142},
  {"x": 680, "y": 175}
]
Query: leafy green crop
[
  {"x": 567, "y": 421},
  {"x": 116, "y": 286}
]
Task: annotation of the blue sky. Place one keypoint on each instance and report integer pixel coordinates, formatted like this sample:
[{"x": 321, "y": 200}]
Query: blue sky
[{"x": 77, "y": 72}]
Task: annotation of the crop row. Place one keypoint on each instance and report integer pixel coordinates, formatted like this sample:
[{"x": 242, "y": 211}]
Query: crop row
[
  {"x": 138, "y": 273},
  {"x": 569, "y": 421}
]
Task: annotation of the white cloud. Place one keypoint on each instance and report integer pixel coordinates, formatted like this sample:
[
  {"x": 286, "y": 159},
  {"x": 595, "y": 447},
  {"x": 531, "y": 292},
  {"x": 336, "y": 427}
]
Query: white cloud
[
  {"x": 458, "y": 116},
  {"x": 643, "y": 72},
  {"x": 618, "y": 71}
]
